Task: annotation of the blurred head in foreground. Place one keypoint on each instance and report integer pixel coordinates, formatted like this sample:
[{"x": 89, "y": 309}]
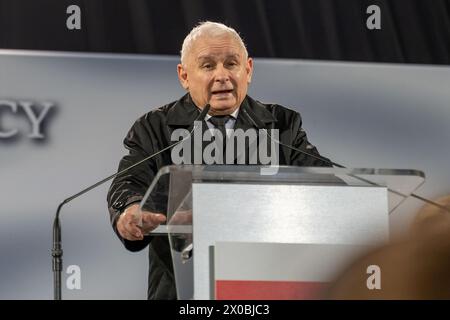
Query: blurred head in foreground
[{"x": 416, "y": 267}]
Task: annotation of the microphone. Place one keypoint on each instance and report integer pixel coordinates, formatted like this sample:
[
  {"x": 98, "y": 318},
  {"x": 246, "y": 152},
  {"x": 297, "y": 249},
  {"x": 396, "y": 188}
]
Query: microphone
[
  {"x": 57, "y": 251},
  {"x": 260, "y": 125}
]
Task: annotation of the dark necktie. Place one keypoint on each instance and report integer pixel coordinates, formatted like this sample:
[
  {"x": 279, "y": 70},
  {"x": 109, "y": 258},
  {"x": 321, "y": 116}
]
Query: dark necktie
[{"x": 219, "y": 123}]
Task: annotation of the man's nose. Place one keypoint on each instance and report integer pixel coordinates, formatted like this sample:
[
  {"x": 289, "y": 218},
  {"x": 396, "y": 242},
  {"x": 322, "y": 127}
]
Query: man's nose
[{"x": 221, "y": 74}]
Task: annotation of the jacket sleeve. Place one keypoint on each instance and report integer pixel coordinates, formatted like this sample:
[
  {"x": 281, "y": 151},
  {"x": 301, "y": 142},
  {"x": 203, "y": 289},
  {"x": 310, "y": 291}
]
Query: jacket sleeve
[
  {"x": 300, "y": 141},
  {"x": 130, "y": 187}
]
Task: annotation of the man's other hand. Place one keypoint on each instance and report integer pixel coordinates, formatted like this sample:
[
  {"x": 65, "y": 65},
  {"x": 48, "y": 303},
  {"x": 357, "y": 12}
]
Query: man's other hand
[{"x": 128, "y": 227}]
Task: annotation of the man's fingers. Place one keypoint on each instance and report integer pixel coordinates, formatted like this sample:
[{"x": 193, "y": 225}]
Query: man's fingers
[
  {"x": 150, "y": 221},
  {"x": 128, "y": 223},
  {"x": 131, "y": 236},
  {"x": 132, "y": 229},
  {"x": 128, "y": 230},
  {"x": 128, "y": 236},
  {"x": 154, "y": 219}
]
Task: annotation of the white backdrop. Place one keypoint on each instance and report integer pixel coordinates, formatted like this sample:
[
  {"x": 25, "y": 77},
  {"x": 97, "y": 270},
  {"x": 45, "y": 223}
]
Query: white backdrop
[{"x": 358, "y": 114}]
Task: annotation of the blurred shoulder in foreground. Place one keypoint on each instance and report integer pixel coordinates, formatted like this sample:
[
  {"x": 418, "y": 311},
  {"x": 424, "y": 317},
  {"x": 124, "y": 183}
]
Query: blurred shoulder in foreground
[{"x": 415, "y": 267}]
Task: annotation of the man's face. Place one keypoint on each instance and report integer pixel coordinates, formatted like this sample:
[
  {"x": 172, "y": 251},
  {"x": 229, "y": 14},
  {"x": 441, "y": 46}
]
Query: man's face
[{"x": 216, "y": 71}]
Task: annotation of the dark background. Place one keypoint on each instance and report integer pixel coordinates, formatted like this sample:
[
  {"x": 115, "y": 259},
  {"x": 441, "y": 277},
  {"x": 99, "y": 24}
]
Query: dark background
[{"x": 413, "y": 31}]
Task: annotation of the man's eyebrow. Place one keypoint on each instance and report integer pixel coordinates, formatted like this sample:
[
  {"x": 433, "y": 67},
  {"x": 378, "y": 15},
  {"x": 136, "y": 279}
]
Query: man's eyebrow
[{"x": 205, "y": 57}]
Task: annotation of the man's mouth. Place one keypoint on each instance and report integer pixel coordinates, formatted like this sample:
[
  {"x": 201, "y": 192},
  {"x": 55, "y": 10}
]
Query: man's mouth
[{"x": 221, "y": 92}]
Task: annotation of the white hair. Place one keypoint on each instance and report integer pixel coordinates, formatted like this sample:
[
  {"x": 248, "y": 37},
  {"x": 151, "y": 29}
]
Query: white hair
[{"x": 210, "y": 29}]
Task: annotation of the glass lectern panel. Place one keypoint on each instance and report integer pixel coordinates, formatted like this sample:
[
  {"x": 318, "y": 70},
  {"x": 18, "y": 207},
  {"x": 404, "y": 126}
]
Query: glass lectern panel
[{"x": 171, "y": 193}]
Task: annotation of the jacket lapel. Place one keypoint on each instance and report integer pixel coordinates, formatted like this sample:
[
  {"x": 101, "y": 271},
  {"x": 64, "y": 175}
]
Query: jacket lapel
[
  {"x": 182, "y": 113},
  {"x": 258, "y": 110}
]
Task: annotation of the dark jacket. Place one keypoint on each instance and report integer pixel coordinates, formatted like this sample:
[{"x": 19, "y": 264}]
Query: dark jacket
[{"x": 151, "y": 133}]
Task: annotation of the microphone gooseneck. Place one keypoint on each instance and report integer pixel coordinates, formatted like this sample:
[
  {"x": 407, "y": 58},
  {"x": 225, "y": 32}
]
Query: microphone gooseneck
[{"x": 57, "y": 251}]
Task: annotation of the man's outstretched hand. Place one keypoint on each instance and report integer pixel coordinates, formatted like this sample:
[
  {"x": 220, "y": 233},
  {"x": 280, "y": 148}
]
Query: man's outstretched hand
[{"x": 128, "y": 227}]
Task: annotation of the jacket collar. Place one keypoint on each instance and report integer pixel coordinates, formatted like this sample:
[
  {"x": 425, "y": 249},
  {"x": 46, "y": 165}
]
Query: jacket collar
[
  {"x": 257, "y": 109},
  {"x": 184, "y": 112}
]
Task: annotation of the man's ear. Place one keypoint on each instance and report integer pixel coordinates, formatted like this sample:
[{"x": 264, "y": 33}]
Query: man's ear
[
  {"x": 249, "y": 69},
  {"x": 182, "y": 76}
]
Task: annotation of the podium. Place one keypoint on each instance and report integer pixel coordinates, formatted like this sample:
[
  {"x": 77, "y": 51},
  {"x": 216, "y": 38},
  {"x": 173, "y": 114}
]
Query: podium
[{"x": 238, "y": 230}]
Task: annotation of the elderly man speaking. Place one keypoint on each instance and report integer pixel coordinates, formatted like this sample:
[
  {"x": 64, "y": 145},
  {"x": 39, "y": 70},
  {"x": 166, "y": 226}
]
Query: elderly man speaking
[{"x": 215, "y": 70}]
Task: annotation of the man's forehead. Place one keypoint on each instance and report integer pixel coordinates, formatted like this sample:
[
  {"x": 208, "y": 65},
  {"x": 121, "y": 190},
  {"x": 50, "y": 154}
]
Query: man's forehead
[
  {"x": 215, "y": 55},
  {"x": 207, "y": 47}
]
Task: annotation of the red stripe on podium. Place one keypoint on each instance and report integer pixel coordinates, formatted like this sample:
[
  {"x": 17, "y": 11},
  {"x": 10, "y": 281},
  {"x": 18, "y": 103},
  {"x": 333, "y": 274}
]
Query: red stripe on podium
[{"x": 268, "y": 290}]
